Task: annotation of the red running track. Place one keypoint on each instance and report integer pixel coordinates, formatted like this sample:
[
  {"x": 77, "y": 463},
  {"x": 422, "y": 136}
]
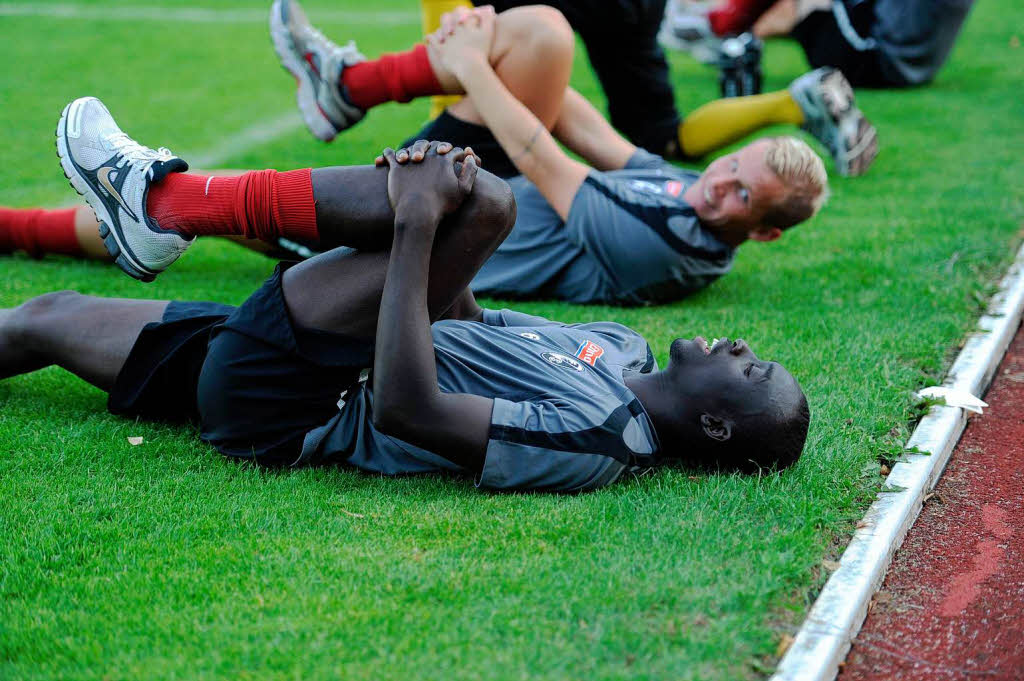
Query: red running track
[{"x": 952, "y": 605}]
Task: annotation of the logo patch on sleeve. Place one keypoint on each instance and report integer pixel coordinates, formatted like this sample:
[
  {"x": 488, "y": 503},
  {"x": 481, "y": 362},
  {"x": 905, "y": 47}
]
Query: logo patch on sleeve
[
  {"x": 673, "y": 187},
  {"x": 589, "y": 352}
]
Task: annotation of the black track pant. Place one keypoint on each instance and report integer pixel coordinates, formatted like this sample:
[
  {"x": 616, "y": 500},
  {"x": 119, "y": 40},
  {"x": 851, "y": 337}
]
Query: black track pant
[{"x": 621, "y": 41}]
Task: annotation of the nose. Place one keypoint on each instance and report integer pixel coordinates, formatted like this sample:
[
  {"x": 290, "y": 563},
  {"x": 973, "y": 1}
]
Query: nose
[{"x": 739, "y": 347}]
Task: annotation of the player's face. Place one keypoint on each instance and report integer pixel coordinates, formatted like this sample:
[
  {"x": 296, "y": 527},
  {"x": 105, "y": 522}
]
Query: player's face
[
  {"x": 737, "y": 190},
  {"x": 726, "y": 378}
]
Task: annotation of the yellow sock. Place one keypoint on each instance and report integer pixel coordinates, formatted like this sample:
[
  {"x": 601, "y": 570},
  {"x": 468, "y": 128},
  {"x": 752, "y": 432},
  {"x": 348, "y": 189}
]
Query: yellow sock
[
  {"x": 724, "y": 121},
  {"x": 432, "y": 11}
]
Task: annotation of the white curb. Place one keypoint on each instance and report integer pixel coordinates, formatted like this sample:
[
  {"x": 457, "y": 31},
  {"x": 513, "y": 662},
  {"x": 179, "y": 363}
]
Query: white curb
[{"x": 825, "y": 637}]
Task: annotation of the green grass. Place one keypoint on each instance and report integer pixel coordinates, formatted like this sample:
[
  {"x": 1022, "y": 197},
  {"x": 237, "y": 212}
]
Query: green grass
[{"x": 166, "y": 561}]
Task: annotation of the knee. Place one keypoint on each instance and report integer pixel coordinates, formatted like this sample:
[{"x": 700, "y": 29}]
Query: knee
[
  {"x": 31, "y": 316},
  {"x": 542, "y": 30},
  {"x": 497, "y": 205}
]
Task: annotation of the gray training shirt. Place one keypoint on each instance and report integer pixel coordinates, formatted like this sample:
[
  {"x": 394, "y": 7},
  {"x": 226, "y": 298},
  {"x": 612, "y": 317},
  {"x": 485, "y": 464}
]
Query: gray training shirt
[
  {"x": 630, "y": 239},
  {"x": 563, "y": 418}
]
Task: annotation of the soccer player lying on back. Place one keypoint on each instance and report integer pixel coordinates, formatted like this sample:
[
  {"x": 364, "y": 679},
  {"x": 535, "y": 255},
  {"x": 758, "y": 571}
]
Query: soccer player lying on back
[
  {"x": 645, "y": 233},
  {"x": 518, "y": 402}
]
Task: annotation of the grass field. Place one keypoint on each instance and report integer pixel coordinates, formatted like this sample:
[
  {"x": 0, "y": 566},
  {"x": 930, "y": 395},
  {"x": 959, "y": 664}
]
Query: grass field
[{"x": 166, "y": 561}]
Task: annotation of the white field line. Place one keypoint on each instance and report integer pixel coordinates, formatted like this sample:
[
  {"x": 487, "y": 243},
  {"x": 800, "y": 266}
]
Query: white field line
[
  {"x": 234, "y": 145},
  {"x": 198, "y": 15},
  {"x": 826, "y": 635}
]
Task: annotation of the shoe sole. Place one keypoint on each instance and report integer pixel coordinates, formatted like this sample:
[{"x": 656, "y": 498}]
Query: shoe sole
[
  {"x": 862, "y": 148},
  {"x": 111, "y": 239},
  {"x": 305, "y": 96}
]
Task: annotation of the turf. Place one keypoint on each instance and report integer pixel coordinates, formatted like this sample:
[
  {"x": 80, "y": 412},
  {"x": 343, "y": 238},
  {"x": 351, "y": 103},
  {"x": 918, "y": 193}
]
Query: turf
[{"x": 164, "y": 561}]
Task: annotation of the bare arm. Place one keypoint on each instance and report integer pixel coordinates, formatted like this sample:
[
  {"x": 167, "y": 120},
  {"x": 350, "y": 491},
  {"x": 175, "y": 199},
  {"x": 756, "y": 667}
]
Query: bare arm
[
  {"x": 408, "y": 403},
  {"x": 583, "y": 129},
  {"x": 523, "y": 137}
]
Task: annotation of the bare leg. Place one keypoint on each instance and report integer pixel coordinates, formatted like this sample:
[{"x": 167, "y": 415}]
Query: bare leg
[
  {"x": 532, "y": 54},
  {"x": 90, "y": 337},
  {"x": 583, "y": 129},
  {"x": 340, "y": 292}
]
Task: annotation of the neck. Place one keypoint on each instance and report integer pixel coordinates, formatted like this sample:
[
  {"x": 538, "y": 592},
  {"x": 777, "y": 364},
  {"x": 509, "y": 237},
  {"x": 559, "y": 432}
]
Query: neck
[
  {"x": 730, "y": 236},
  {"x": 650, "y": 390}
]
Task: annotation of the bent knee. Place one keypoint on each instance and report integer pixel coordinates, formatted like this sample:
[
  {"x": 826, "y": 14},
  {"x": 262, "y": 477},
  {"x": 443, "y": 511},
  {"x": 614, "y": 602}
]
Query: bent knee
[
  {"x": 539, "y": 28},
  {"x": 34, "y": 313},
  {"x": 49, "y": 304},
  {"x": 496, "y": 203}
]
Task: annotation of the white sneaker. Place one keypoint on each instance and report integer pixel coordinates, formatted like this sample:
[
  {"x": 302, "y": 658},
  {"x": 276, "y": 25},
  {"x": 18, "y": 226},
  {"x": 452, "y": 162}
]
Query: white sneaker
[
  {"x": 686, "y": 28},
  {"x": 317, "y": 64},
  {"x": 831, "y": 115},
  {"x": 114, "y": 172}
]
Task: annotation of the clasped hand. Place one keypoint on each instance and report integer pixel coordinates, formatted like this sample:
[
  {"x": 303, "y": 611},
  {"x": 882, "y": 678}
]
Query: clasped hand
[
  {"x": 464, "y": 35},
  {"x": 432, "y": 179}
]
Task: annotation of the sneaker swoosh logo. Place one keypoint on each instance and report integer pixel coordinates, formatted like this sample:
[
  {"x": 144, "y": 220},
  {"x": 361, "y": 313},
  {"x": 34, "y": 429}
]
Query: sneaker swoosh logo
[{"x": 103, "y": 175}]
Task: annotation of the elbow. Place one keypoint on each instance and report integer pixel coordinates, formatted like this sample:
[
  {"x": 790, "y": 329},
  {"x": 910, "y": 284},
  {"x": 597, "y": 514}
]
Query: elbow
[
  {"x": 397, "y": 421},
  {"x": 386, "y": 418}
]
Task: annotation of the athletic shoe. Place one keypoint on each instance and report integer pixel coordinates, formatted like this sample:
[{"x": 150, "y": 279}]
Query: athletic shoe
[
  {"x": 686, "y": 28},
  {"x": 114, "y": 172},
  {"x": 317, "y": 65},
  {"x": 831, "y": 115}
]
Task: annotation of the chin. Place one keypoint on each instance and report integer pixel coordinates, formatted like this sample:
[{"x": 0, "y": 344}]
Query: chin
[{"x": 678, "y": 350}]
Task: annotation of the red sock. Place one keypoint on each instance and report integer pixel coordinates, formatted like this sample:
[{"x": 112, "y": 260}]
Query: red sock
[
  {"x": 390, "y": 78},
  {"x": 736, "y": 16},
  {"x": 38, "y": 231},
  {"x": 262, "y": 204}
]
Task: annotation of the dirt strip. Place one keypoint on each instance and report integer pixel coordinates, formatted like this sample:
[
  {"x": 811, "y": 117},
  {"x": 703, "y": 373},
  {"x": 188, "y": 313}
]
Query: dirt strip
[{"x": 952, "y": 605}]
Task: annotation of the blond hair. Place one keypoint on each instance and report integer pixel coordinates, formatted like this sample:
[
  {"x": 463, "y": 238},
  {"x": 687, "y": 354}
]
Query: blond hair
[{"x": 804, "y": 174}]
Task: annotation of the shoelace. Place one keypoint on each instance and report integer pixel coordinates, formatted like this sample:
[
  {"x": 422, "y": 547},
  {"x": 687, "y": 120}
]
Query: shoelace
[
  {"x": 141, "y": 157},
  {"x": 345, "y": 55}
]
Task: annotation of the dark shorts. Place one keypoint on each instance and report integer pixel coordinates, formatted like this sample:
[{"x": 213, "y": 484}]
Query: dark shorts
[
  {"x": 253, "y": 381},
  {"x": 622, "y": 45},
  {"x": 448, "y": 128},
  {"x": 825, "y": 45}
]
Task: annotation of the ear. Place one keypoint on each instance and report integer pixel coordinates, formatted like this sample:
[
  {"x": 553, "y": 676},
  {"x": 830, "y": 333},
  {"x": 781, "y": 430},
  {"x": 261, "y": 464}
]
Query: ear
[
  {"x": 769, "y": 234},
  {"x": 715, "y": 428}
]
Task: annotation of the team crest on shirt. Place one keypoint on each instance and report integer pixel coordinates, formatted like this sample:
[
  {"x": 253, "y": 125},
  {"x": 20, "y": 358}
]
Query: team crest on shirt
[
  {"x": 530, "y": 335},
  {"x": 646, "y": 186},
  {"x": 560, "y": 360},
  {"x": 671, "y": 188},
  {"x": 589, "y": 352}
]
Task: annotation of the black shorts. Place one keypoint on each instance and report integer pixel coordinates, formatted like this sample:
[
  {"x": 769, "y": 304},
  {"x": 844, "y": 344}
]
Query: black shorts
[
  {"x": 825, "y": 45},
  {"x": 448, "y": 128},
  {"x": 254, "y": 382}
]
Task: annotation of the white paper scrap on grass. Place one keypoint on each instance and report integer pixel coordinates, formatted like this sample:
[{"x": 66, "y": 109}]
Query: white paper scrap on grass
[{"x": 953, "y": 398}]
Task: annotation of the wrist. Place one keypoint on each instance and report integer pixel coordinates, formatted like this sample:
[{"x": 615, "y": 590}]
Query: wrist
[
  {"x": 417, "y": 216},
  {"x": 418, "y": 207},
  {"x": 470, "y": 67}
]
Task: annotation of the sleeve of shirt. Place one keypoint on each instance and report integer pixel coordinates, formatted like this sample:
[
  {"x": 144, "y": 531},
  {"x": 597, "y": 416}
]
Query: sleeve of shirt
[
  {"x": 507, "y": 317},
  {"x": 640, "y": 243},
  {"x": 549, "y": 446},
  {"x": 645, "y": 160}
]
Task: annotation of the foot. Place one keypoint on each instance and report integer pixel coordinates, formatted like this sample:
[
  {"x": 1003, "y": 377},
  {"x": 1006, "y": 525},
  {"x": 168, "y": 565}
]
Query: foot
[
  {"x": 114, "y": 172},
  {"x": 831, "y": 115},
  {"x": 317, "y": 65},
  {"x": 686, "y": 28}
]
